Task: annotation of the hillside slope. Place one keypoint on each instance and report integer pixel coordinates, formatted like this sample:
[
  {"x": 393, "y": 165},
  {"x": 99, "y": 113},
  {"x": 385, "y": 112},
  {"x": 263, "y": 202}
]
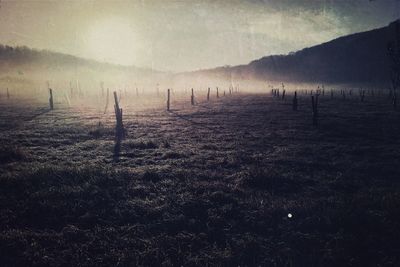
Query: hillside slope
[{"x": 360, "y": 57}]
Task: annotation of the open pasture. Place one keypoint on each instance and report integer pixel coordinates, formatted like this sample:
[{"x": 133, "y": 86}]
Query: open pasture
[{"x": 205, "y": 184}]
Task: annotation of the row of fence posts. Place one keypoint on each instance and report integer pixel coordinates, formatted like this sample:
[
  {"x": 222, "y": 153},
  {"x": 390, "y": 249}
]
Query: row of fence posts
[
  {"x": 275, "y": 92},
  {"x": 314, "y": 101},
  {"x": 120, "y": 132},
  {"x": 314, "y": 98},
  {"x": 192, "y": 96},
  {"x": 118, "y": 111}
]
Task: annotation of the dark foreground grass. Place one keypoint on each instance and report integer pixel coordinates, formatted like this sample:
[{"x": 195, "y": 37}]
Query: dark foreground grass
[
  {"x": 99, "y": 217},
  {"x": 213, "y": 189},
  {"x": 11, "y": 153}
]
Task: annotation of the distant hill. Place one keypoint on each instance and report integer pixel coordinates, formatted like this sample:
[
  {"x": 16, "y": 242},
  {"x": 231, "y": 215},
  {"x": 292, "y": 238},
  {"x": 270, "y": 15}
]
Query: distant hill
[
  {"x": 22, "y": 55},
  {"x": 27, "y": 63},
  {"x": 360, "y": 57}
]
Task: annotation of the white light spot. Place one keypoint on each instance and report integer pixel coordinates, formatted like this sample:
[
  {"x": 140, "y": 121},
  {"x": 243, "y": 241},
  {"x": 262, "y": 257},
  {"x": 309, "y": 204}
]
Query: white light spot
[{"x": 289, "y": 215}]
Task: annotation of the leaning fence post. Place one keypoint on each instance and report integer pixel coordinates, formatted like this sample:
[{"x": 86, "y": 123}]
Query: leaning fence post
[
  {"x": 295, "y": 101},
  {"x": 208, "y": 94},
  {"x": 283, "y": 94},
  {"x": 51, "y": 98},
  {"x": 118, "y": 116},
  {"x": 168, "y": 96}
]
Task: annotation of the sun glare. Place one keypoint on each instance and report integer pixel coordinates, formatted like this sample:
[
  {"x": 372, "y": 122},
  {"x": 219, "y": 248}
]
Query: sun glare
[{"x": 113, "y": 41}]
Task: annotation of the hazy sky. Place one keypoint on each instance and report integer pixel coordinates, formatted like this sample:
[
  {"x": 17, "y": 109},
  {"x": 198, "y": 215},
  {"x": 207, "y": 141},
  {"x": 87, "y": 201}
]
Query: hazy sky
[{"x": 186, "y": 35}]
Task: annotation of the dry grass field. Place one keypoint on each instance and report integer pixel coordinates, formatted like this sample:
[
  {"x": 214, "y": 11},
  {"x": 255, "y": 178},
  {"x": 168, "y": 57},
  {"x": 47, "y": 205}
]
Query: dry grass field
[{"x": 204, "y": 185}]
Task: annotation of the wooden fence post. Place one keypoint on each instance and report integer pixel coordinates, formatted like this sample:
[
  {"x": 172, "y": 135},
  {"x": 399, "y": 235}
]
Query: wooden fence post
[
  {"x": 283, "y": 94},
  {"x": 51, "y": 98},
  {"x": 168, "y": 97},
  {"x": 118, "y": 116},
  {"x": 8, "y": 94},
  {"x": 217, "y": 93},
  {"x": 192, "y": 98},
  {"x": 295, "y": 101},
  {"x": 208, "y": 94}
]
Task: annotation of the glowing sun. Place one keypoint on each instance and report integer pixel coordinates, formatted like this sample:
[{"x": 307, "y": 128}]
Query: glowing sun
[{"x": 113, "y": 41}]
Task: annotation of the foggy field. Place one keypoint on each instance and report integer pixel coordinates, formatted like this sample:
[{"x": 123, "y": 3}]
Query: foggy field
[{"x": 211, "y": 184}]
